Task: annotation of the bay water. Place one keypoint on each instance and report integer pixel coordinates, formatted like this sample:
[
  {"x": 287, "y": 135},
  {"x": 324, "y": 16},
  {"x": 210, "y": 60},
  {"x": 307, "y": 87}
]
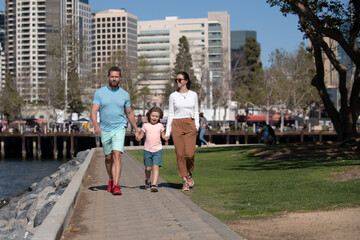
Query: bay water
[{"x": 17, "y": 175}]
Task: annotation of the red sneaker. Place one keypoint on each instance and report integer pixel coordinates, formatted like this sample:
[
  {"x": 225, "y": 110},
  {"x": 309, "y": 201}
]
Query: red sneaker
[
  {"x": 116, "y": 190},
  {"x": 110, "y": 185}
]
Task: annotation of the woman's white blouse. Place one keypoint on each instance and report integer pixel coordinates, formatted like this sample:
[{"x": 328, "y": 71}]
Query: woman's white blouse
[{"x": 183, "y": 105}]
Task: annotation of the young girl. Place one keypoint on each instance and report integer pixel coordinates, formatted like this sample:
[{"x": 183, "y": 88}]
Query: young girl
[{"x": 153, "y": 147}]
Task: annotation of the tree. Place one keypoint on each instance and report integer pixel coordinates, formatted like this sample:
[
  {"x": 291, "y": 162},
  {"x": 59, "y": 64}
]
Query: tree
[
  {"x": 294, "y": 72},
  {"x": 248, "y": 75},
  {"x": 222, "y": 88},
  {"x": 144, "y": 72},
  {"x": 63, "y": 84},
  {"x": 183, "y": 62},
  {"x": 145, "y": 96},
  {"x": 339, "y": 21},
  {"x": 10, "y": 100}
]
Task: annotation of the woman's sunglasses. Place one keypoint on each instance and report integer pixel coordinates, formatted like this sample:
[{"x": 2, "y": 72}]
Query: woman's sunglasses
[{"x": 178, "y": 79}]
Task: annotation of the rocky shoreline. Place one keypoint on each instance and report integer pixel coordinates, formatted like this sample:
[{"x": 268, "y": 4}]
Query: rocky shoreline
[{"x": 22, "y": 214}]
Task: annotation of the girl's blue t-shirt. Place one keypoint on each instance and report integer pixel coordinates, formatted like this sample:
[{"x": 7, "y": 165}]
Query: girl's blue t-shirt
[{"x": 112, "y": 107}]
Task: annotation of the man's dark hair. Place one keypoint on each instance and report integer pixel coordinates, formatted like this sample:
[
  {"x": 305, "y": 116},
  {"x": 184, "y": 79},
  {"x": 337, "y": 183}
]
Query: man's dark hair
[{"x": 114, "y": 69}]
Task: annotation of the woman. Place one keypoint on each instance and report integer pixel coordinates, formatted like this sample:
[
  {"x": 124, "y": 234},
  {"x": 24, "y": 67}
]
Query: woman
[
  {"x": 203, "y": 125},
  {"x": 183, "y": 123}
]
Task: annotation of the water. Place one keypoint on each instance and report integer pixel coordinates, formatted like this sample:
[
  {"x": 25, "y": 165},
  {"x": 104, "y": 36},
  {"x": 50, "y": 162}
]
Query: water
[{"x": 17, "y": 175}]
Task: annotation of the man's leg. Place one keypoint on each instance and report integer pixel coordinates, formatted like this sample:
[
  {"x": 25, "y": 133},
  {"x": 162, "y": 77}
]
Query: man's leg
[
  {"x": 117, "y": 148},
  {"x": 116, "y": 166},
  {"x": 108, "y": 164},
  {"x": 106, "y": 142}
]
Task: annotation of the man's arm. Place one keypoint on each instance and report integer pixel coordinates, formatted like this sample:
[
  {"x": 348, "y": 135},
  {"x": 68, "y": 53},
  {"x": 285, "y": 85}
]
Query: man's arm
[
  {"x": 130, "y": 115},
  {"x": 94, "y": 110}
]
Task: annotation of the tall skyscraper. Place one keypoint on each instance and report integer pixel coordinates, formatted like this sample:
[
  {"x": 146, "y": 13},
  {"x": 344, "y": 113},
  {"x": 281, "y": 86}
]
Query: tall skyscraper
[
  {"x": 209, "y": 42},
  {"x": 2, "y": 50},
  {"x": 114, "y": 30},
  {"x": 238, "y": 40},
  {"x": 33, "y": 27}
]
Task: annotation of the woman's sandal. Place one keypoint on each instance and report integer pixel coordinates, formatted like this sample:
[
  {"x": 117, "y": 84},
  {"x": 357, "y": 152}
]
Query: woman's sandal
[{"x": 154, "y": 188}]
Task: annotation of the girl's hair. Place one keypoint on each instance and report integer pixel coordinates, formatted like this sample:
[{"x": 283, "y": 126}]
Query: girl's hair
[
  {"x": 186, "y": 77},
  {"x": 201, "y": 114},
  {"x": 154, "y": 109}
]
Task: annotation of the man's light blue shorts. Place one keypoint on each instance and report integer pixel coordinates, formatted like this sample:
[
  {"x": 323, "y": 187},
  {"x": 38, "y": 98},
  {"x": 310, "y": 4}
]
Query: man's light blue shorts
[{"x": 113, "y": 140}]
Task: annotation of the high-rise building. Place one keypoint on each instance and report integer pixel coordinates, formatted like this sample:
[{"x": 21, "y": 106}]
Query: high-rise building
[
  {"x": 2, "y": 50},
  {"x": 32, "y": 29},
  {"x": 114, "y": 31},
  {"x": 209, "y": 43},
  {"x": 238, "y": 40}
]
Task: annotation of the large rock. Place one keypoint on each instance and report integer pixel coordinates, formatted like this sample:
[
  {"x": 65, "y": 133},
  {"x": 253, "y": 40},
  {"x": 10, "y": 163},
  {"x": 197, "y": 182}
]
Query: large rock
[
  {"x": 21, "y": 215},
  {"x": 39, "y": 218}
]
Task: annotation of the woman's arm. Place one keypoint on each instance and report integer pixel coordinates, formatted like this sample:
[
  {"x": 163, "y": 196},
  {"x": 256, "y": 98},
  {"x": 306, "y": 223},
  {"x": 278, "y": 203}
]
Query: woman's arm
[
  {"x": 170, "y": 117},
  {"x": 196, "y": 112}
]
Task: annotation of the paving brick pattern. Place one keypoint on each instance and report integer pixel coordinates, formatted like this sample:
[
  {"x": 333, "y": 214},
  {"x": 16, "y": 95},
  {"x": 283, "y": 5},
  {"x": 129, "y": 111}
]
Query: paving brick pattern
[{"x": 138, "y": 214}]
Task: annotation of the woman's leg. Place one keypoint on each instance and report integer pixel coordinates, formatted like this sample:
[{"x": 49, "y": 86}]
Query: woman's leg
[
  {"x": 178, "y": 137},
  {"x": 201, "y": 136},
  {"x": 190, "y": 145}
]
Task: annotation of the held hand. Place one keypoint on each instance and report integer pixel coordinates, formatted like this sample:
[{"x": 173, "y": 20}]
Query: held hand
[
  {"x": 137, "y": 136},
  {"x": 166, "y": 138},
  {"x": 97, "y": 130}
]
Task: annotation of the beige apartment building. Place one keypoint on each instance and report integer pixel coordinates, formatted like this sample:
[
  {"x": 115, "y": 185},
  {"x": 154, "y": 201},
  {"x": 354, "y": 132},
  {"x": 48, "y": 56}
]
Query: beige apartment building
[
  {"x": 209, "y": 42},
  {"x": 114, "y": 30}
]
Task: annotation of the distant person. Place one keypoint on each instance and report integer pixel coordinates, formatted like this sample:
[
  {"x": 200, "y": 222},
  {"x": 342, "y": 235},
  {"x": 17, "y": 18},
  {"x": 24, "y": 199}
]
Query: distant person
[
  {"x": 203, "y": 125},
  {"x": 268, "y": 134},
  {"x": 139, "y": 121},
  {"x": 113, "y": 103},
  {"x": 153, "y": 130},
  {"x": 182, "y": 124}
]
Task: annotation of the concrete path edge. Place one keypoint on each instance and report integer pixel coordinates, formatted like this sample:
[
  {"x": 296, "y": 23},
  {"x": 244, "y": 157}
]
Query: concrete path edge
[{"x": 55, "y": 223}]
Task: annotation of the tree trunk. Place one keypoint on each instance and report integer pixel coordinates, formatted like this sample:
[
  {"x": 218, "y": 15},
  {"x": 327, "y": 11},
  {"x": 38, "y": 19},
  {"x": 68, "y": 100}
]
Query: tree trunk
[{"x": 343, "y": 121}]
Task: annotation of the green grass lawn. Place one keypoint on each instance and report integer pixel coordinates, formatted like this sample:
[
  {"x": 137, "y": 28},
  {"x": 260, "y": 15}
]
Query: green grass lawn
[{"x": 231, "y": 183}]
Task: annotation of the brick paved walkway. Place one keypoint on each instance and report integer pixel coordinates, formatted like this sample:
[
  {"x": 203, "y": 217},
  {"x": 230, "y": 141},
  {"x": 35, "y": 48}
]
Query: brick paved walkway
[{"x": 138, "y": 214}]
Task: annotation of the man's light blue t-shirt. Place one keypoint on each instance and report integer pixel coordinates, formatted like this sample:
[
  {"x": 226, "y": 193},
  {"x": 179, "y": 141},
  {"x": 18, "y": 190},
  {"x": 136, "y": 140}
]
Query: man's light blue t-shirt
[{"x": 112, "y": 105}]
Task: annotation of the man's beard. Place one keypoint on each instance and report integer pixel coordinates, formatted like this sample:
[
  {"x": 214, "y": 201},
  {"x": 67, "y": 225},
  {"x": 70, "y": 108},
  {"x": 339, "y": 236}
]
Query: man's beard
[{"x": 114, "y": 84}]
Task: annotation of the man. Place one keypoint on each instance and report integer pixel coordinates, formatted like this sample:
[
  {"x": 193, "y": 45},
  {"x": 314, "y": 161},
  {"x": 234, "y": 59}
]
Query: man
[{"x": 113, "y": 103}]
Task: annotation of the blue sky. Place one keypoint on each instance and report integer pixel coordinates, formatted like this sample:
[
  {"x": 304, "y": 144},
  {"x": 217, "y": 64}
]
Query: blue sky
[{"x": 273, "y": 29}]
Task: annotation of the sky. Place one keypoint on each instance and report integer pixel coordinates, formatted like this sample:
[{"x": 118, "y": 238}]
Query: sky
[{"x": 274, "y": 31}]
